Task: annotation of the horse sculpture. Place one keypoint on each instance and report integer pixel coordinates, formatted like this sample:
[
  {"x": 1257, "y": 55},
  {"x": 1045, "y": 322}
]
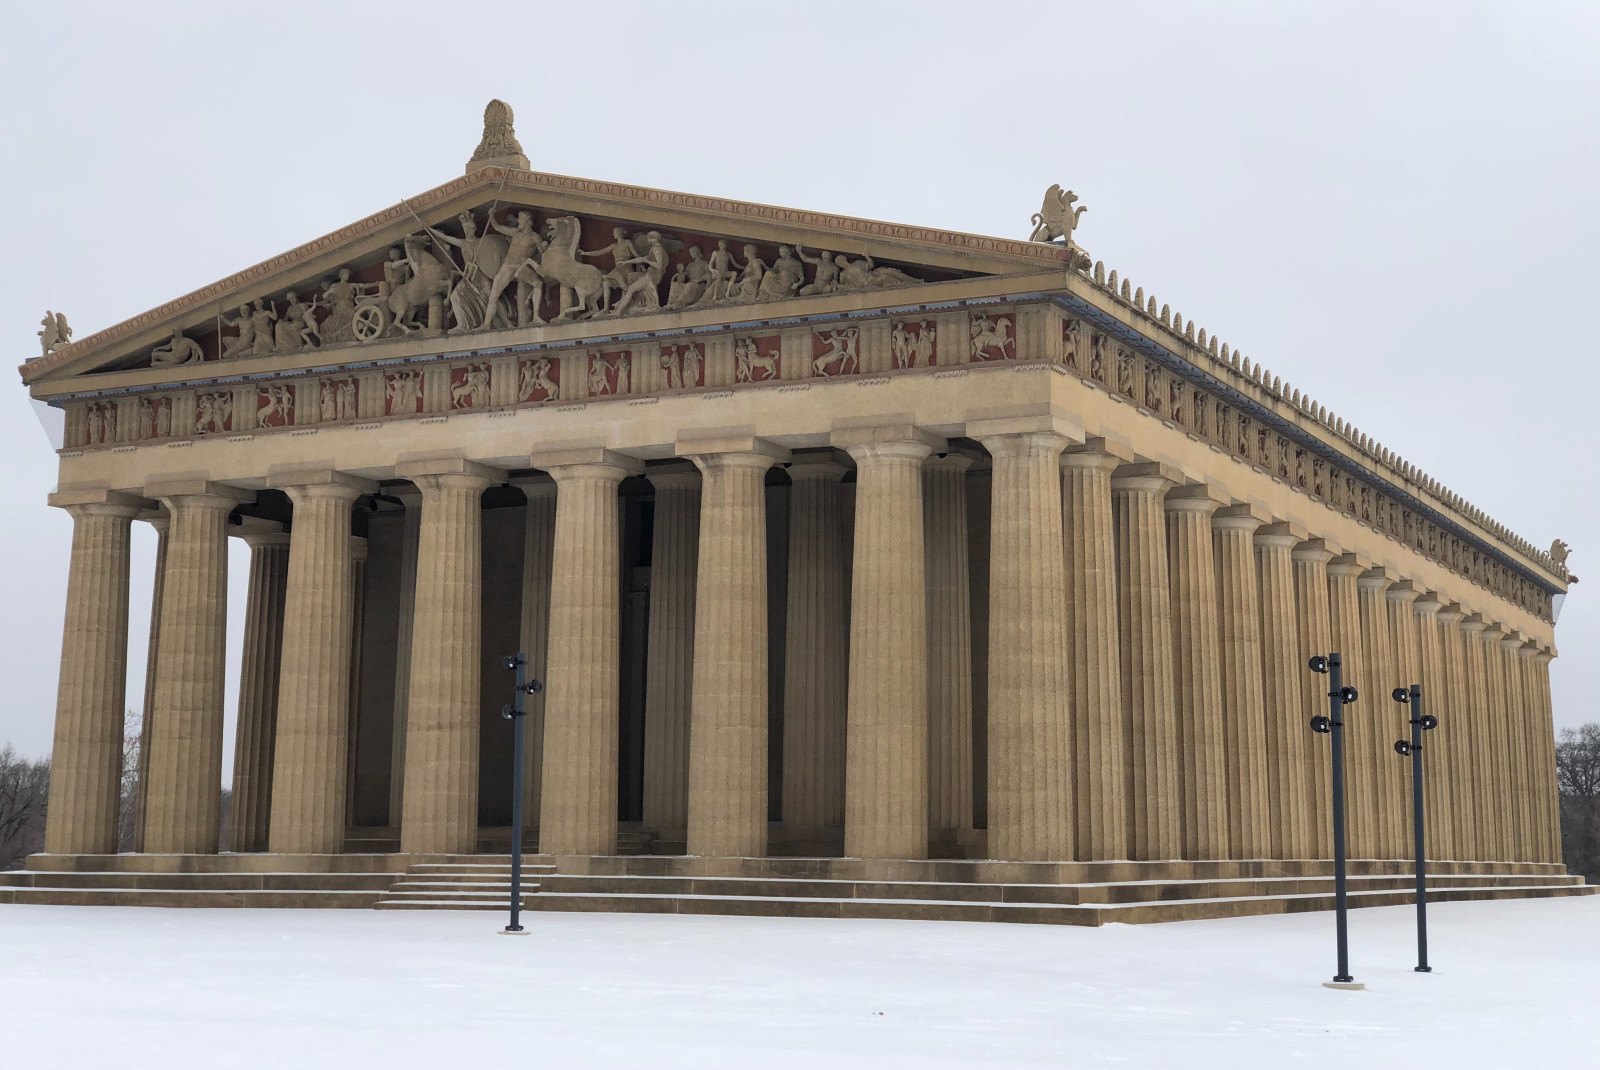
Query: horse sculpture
[
  {"x": 582, "y": 285},
  {"x": 430, "y": 277}
]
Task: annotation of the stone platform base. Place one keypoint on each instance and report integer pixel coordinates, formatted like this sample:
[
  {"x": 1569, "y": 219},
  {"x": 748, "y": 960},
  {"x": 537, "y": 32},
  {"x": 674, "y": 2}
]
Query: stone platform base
[{"x": 1067, "y": 893}]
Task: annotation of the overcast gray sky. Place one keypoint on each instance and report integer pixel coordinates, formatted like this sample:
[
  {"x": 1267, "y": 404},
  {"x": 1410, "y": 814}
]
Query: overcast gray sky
[{"x": 1391, "y": 205}]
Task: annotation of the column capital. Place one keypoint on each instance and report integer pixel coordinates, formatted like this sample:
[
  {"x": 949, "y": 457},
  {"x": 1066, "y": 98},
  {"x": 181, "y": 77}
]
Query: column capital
[
  {"x": 1280, "y": 534},
  {"x": 220, "y": 493},
  {"x": 1374, "y": 579},
  {"x": 673, "y": 475},
  {"x": 1150, "y": 476},
  {"x": 295, "y": 477},
  {"x": 261, "y": 539},
  {"x": 1316, "y": 551},
  {"x": 1022, "y": 424},
  {"x": 1194, "y": 498},
  {"x": 1492, "y": 632},
  {"x": 1346, "y": 565},
  {"x": 1402, "y": 591},
  {"x": 898, "y": 439},
  {"x": 1511, "y": 640},
  {"x": 1095, "y": 452},
  {"x": 100, "y": 502},
  {"x": 1544, "y": 655},
  {"x": 700, "y": 447},
  {"x": 415, "y": 468},
  {"x": 1428, "y": 604},
  {"x": 1451, "y": 614},
  {"x": 1473, "y": 624},
  {"x": 817, "y": 464}
]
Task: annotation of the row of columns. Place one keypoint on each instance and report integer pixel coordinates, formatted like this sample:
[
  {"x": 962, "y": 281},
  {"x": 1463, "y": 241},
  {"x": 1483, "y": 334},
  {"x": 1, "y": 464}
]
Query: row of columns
[{"x": 1146, "y": 690}]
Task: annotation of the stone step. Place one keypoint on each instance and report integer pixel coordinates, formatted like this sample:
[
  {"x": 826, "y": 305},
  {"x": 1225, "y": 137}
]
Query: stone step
[
  {"x": 202, "y": 882},
  {"x": 191, "y": 897}
]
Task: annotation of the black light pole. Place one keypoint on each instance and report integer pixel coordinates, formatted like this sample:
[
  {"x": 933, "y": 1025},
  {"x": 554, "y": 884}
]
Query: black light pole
[
  {"x": 518, "y": 716},
  {"x": 1420, "y": 723},
  {"x": 1339, "y": 696}
]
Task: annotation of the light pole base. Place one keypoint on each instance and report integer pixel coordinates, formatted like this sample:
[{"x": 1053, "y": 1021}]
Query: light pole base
[
  {"x": 515, "y": 932},
  {"x": 1351, "y": 986},
  {"x": 1422, "y": 969}
]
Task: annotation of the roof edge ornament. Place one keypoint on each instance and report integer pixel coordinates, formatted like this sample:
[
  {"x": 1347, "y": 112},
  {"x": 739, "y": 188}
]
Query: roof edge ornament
[
  {"x": 499, "y": 146},
  {"x": 1056, "y": 222}
]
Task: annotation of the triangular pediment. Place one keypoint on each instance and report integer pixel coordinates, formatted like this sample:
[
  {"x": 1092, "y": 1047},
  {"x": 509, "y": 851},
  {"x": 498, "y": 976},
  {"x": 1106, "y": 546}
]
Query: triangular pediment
[{"x": 507, "y": 257}]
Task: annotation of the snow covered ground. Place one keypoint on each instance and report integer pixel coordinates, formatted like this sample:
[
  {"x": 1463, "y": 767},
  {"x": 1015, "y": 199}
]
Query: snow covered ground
[{"x": 1515, "y": 985}]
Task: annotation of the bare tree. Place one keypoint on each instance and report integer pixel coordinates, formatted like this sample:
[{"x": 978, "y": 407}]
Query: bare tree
[
  {"x": 24, "y": 791},
  {"x": 128, "y": 812},
  {"x": 1578, "y": 775}
]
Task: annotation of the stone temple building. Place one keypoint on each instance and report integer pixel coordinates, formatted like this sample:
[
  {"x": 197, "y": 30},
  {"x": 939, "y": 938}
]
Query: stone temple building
[{"x": 870, "y": 568}]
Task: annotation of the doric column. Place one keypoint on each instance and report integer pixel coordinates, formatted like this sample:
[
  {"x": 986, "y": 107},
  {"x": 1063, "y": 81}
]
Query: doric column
[
  {"x": 1370, "y": 736},
  {"x": 1455, "y": 725},
  {"x": 1480, "y": 785},
  {"x": 159, "y": 521},
  {"x": 358, "y": 627},
  {"x": 1548, "y": 792},
  {"x": 1288, "y": 789},
  {"x": 86, "y": 761},
  {"x": 886, "y": 730},
  {"x": 1521, "y": 809},
  {"x": 440, "y": 812},
  {"x": 1436, "y": 750},
  {"x": 1243, "y": 717},
  {"x": 816, "y": 680},
  {"x": 669, "y": 667},
  {"x": 312, "y": 739},
  {"x": 1533, "y": 732},
  {"x": 1314, "y": 621},
  {"x": 728, "y": 705},
  {"x": 538, "y": 554},
  {"x": 944, "y": 489},
  {"x": 259, "y": 667},
  {"x": 1094, "y": 662},
  {"x": 405, "y": 612},
  {"x": 1029, "y": 750},
  {"x": 1344, "y": 620},
  {"x": 1144, "y": 617},
  {"x": 1493, "y": 755},
  {"x": 578, "y": 807},
  {"x": 186, "y": 738},
  {"x": 1197, "y": 673},
  {"x": 1405, "y": 668}
]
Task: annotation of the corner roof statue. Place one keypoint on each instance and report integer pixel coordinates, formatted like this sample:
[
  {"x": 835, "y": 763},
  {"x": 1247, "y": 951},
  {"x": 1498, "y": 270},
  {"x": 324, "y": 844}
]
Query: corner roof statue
[
  {"x": 499, "y": 146},
  {"x": 56, "y": 333},
  {"x": 1057, "y": 219}
]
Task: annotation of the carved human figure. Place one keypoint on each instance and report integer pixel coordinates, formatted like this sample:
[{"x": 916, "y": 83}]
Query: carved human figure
[
  {"x": 240, "y": 344},
  {"x": 923, "y": 350},
  {"x": 340, "y": 298},
  {"x": 523, "y": 248},
  {"x": 990, "y": 333},
  {"x": 864, "y": 274},
  {"x": 783, "y": 278},
  {"x": 94, "y": 430},
  {"x": 748, "y": 360},
  {"x": 179, "y": 349},
  {"x": 347, "y": 399},
  {"x": 213, "y": 413},
  {"x": 328, "y": 402},
  {"x": 690, "y": 368},
  {"x": 396, "y": 272},
  {"x": 480, "y": 261},
  {"x": 55, "y": 334},
  {"x": 147, "y": 419},
  {"x": 279, "y": 405},
  {"x": 646, "y": 285},
  {"x": 721, "y": 270},
  {"x": 748, "y": 286},
  {"x": 623, "y": 255},
  {"x": 826, "y": 279},
  {"x": 262, "y": 319},
  {"x": 404, "y": 392},
  {"x": 472, "y": 392},
  {"x": 689, "y": 281},
  {"x": 900, "y": 350},
  {"x": 162, "y": 408},
  {"x": 289, "y": 333}
]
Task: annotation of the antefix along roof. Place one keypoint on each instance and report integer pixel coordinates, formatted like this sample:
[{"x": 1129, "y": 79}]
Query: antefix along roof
[{"x": 1028, "y": 256}]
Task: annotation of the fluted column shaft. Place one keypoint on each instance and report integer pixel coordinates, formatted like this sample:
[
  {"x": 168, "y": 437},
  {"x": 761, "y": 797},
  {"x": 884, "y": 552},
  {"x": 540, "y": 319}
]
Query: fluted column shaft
[
  {"x": 186, "y": 738},
  {"x": 1436, "y": 749},
  {"x": 1405, "y": 668},
  {"x": 669, "y": 667},
  {"x": 255, "y": 734},
  {"x": 949, "y": 602},
  {"x": 406, "y": 614},
  {"x": 358, "y": 627},
  {"x": 1243, "y": 705},
  {"x": 1344, "y": 621},
  {"x": 1144, "y": 619},
  {"x": 1094, "y": 662},
  {"x": 816, "y": 680},
  {"x": 1029, "y": 803},
  {"x": 308, "y": 769},
  {"x": 440, "y": 812},
  {"x": 728, "y": 705},
  {"x": 1549, "y": 793},
  {"x": 1313, "y": 621},
  {"x": 538, "y": 555},
  {"x": 578, "y": 809},
  {"x": 152, "y": 652},
  {"x": 1288, "y": 787},
  {"x": 1521, "y": 840},
  {"x": 1455, "y": 724},
  {"x": 1369, "y": 744},
  {"x": 1498, "y": 746},
  {"x": 1197, "y": 673},
  {"x": 886, "y": 749},
  {"x": 86, "y": 761},
  {"x": 1479, "y": 740}
]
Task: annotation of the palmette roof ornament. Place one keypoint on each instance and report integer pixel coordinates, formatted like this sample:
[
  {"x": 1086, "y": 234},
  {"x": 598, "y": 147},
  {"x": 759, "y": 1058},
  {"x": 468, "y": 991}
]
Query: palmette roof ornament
[
  {"x": 499, "y": 146},
  {"x": 1056, "y": 222}
]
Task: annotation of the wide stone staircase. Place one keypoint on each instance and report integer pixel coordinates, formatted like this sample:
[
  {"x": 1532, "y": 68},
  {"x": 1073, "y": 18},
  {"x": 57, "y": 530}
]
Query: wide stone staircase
[{"x": 1068, "y": 893}]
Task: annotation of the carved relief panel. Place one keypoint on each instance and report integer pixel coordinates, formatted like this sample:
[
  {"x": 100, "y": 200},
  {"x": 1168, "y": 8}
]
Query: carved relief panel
[
  {"x": 337, "y": 400},
  {"x": 539, "y": 379},
  {"x": 213, "y": 413},
  {"x": 755, "y": 360},
  {"x": 684, "y": 366},
  {"x": 469, "y": 386},
  {"x": 914, "y": 344},
  {"x": 100, "y": 423},
  {"x": 993, "y": 338},
  {"x": 275, "y": 406},
  {"x": 835, "y": 353},
  {"x": 402, "y": 393},
  {"x": 610, "y": 373}
]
